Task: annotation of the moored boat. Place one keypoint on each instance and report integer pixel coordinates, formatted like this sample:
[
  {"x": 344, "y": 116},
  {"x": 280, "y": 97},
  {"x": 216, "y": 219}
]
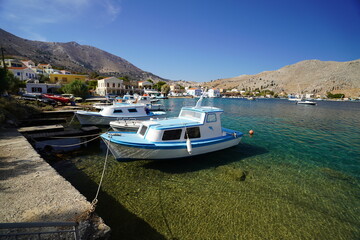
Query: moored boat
[
  {"x": 306, "y": 102},
  {"x": 116, "y": 112},
  {"x": 197, "y": 130}
]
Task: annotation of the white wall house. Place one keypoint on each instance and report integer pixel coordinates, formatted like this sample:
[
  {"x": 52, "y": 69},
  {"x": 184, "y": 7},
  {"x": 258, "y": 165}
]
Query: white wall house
[
  {"x": 145, "y": 84},
  {"x": 45, "y": 68},
  {"x": 37, "y": 87},
  {"x": 23, "y": 73},
  {"x": 28, "y": 63},
  {"x": 110, "y": 85},
  {"x": 213, "y": 93},
  {"x": 196, "y": 92}
]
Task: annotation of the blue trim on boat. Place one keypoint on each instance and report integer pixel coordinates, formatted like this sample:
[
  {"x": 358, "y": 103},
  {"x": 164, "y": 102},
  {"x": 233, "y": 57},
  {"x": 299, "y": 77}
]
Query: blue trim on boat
[{"x": 172, "y": 145}]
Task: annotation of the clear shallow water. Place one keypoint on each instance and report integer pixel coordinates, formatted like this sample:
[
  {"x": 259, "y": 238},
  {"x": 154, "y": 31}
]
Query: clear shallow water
[{"x": 296, "y": 178}]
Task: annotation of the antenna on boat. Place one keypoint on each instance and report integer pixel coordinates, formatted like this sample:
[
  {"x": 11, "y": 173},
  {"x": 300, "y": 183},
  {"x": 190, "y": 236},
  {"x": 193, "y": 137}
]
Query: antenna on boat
[{"x": 198, "y": 103}]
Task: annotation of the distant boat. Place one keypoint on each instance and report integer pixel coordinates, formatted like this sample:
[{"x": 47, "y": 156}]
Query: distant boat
[
  {"x": 197, "y": 130},
  {"x": 306, "y": 102},
  {"x": 116, "y": 112}
]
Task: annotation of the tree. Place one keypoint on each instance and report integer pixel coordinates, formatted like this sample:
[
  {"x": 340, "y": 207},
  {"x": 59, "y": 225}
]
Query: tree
[
  {"x": 93, "y": 75},
  {"x": 165, "y": 89},
  {"x": 77, "y": 88},
  {"x": 92, "y": 84},
  {"x": 8, "y": 82},
  {"x": 158, "y": 85},
  {"x": 43, "y": 78},
  {"x": 4, "y": 82},
  {"x": 149, "y": 80}
]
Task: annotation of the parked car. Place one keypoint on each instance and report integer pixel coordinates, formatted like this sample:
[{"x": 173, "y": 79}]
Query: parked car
[{"x": 38, "y": 97}]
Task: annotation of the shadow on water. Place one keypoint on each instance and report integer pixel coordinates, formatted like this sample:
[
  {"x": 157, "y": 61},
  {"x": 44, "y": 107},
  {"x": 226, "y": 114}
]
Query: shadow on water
[
  {"x": 123, "y": 224},
  {"x": 205, "y": 161}
]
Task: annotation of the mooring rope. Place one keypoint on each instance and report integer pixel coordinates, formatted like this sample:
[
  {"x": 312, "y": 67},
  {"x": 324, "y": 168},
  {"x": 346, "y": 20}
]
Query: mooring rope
[
  {"x": 82, "y": 136},
  {"x": 71, "y": 145},
  {"x": 95, "y": 200},
  {"x": 71, "y": 120}
]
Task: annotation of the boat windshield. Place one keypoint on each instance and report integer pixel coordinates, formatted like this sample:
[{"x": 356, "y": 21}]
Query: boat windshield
[{"x": 190, "y": 114}]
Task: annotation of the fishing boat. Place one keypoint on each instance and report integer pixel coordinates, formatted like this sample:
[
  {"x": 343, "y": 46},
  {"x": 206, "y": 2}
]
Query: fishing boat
[
  {"x": 116, "y": 112},
  {"x": 197, "y": 130}
]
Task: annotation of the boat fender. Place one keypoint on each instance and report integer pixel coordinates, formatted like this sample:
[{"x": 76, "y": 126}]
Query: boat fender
[
  {"x": 251, "y": 132},
  {"x": 188, "y": 145}
]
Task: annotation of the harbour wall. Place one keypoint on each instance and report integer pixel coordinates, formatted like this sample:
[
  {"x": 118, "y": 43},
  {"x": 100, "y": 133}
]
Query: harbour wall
[{"x": 32, "y": 191}]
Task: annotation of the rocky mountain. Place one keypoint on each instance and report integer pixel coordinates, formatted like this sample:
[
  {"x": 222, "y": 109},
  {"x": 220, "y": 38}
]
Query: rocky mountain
[
  {"x": 72, "y": 56},
  {"x": 310, "y": 76}
]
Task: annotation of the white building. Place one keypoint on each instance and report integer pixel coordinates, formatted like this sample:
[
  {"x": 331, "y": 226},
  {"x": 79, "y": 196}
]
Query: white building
[
  {"x": 145, "y": 85},
  {"x": 37, "y": 87},
  {"x": 196, "y": 92},
  {"x": 28, "y": 63},
  {"x": 110, "y": 85},
  {"x": 213, "y": 93},
  {"x": 23, "y": 73},
  {"x": 45, "y": 68}
]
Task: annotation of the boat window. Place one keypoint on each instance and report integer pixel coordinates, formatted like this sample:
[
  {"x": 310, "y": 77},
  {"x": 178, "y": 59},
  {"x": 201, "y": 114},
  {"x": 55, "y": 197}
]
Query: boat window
[
  {"x": 193, "y": 132},
  {"x": 211, "y": 117},
  {"x": 132, "y": 110},
  {"x": 172, "y": 134},
  {"x": 143, "y": 130},
  {"x": 118, "y": 111},
  {"x": 191, "y": 114}
]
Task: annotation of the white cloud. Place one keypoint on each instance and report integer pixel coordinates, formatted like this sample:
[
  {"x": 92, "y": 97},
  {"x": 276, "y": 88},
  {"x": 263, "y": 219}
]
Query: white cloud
[{"x": 35, "y": 14}]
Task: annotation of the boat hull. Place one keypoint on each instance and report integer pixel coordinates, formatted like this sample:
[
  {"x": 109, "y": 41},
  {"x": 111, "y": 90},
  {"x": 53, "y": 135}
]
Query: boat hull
[
  {"x": 128, "y": 153},
  {"x": 306, "y": 103}
]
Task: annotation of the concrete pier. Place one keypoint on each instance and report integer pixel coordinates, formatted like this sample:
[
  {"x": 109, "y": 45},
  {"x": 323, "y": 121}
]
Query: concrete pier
[{"x": 31, "y": 190}]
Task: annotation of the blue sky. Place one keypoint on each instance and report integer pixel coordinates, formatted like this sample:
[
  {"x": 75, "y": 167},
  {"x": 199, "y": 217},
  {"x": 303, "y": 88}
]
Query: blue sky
[{"x": 196, "y": 40}]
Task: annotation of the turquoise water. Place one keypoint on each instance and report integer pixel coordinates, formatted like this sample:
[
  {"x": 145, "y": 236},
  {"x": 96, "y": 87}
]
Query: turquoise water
[{"x": 297, "y": 177}]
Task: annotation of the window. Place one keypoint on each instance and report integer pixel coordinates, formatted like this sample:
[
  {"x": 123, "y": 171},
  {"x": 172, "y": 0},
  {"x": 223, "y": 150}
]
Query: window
[
  {"x": 118, "y": 111},
  {"x": 107, "y": 85},
  {"x": 118, "y": 85},
  {"x": 18, "y": 73},
  {"x": 132, "y": 110},
  {"x": 143, "y": 130},
  {"x": 193, "y": 132},
  {"x": 64, "y": 79},
  {"x": 56, "y": 78},
  {"x": 211, "y": 117},
  {"x": 36, "y": 89},
  {"x": 113, "y": 84},
  {"x": 190, "y": 114},
  {"x": 172, "y": 134}
]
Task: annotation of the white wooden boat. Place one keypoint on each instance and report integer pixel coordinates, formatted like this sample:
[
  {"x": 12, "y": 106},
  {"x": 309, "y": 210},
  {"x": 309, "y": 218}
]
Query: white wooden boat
[
  {"x": 197, "y": 130},
  {"x": 116, "y": 112}
]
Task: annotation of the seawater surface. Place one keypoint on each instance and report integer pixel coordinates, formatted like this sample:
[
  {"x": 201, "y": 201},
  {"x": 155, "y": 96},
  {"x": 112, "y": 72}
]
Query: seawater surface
[{"x": 297, "y": 177}]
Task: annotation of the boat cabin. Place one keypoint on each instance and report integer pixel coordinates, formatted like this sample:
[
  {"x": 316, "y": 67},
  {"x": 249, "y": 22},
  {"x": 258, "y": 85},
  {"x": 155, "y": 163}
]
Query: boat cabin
[
  {"x": 132, "y": 110},
  {"x": 195, "y": 123}
]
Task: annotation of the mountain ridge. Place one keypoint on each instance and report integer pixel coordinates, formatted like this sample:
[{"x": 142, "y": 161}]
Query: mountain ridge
[
  {"x": 73, "y": 57},
  {"x": 307, "y": 76}
]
